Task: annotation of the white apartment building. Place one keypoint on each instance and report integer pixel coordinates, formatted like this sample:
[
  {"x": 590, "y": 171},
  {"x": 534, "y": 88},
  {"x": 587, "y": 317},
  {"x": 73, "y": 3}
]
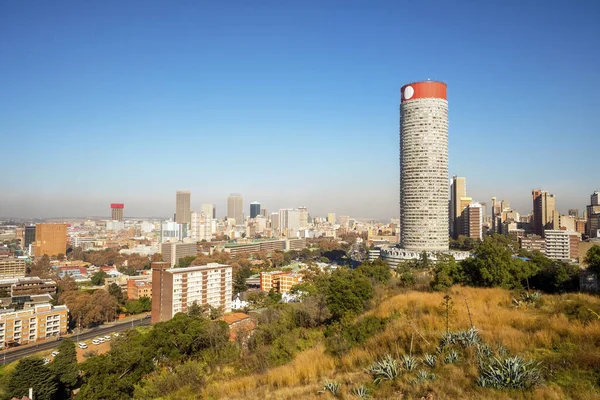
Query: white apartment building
[
  {"x": 40, "y": 321},
  {"x": 175, "y": 289},
  {"x": 201, "y": 227},
  {"x": 562, "y": 245},
  {"x": 289, "y": 222}
]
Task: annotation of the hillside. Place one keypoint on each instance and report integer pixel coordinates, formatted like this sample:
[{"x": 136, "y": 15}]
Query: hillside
[{"x": 558, "y": 331}]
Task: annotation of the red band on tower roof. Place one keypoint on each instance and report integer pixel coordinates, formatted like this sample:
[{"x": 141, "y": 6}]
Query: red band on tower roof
[
  {"x": 423, "y": 90},
  {"x": 117, "y": 205}
]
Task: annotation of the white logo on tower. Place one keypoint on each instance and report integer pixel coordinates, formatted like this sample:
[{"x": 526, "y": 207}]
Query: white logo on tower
[{"x": 408, "y": 92}]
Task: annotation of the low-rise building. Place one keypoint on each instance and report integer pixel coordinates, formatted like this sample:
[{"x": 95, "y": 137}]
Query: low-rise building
[
  {"x": 26, "y": 286},
  {"x": 533, "y": 243},
  {"x": 38, "y": 322},
  {"x": 279, "y": 281},
  {"x": 137, "y": 288},
  {"x": 12, "y": 267},
  {"x": 562, "y": 244}
]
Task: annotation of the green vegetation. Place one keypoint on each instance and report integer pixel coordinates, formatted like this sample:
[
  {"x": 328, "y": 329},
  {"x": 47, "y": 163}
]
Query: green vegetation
[
  {"x": 592, "y": 259},
  {"x": 98, "y": 278},
  {"x": 143, "y": 304}
]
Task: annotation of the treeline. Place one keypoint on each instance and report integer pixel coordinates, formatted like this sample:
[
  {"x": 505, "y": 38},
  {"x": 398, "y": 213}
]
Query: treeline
[{"x": 494, "y": 265}]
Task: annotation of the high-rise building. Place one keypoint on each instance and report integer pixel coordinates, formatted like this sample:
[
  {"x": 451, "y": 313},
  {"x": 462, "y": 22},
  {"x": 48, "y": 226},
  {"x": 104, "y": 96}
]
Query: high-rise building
[
  {"x": 254, "y": 209},
  {"x": 544, "y": 211},
  {"x": 117, "y": 211},
  {"x": 331, "y": 218},
  {"x": 289, "y": 222},
  {"x": 173, "y": 252},
  {"x": 424, "y": 166},
  {"x": 182, "y": 207},
  {"x": 593, "y": 216},
  {"x": 29, "y": 236},
  {"x": 235, "y": 208},
  {"x": 50, "y": 239},
  {"x": 573, "y": 212},
  {"x": 275, "y": 222},
  {"x": 201, "y": 227},
  {"x": 264, "y": 212},
  {"x": 303, "y": 217},
  {"x": 175, "y": 289},
  {"x": 562, "y": 245},
  {"x": 458, "y": 189},
  {"x": 462, "y": 218},
  {"x": 473, "y": 221},
  {"x": 210, "y": 210}
]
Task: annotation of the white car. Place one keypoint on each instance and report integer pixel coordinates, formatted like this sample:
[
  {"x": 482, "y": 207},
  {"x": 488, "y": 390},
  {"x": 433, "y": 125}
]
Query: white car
[
  {"x": 54, "y": 353},
  {"x": 116, "y": 334},
  {"x": 101, "y": 340},
  {"x": 96, "y": 342},
  {"x": 106, "y": 337},
  {"x": 82, "y": 345},
  {"x": 46, "y": 360}
]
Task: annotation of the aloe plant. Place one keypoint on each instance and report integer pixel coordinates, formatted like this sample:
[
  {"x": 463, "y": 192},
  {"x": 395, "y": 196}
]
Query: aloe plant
[
  {"x": 430, "y": 360},
  {"x": 385, "y": 369},
  {"x": 360, "y": 392},
  {"x": 333, "y": 387}
]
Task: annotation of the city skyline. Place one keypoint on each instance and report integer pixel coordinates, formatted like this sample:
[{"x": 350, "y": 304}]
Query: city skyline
[{"x": 137, "y": 90}]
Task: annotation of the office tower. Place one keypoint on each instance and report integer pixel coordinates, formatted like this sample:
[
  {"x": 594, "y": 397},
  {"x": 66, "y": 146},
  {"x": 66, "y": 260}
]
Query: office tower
[
  {"x": 210, "y": 210},
  {"x": 331, "y": 218},
  {"x": 458, "y": 189},
  {"x": 289, "y": 222},
  {"x": 172, "y": 231},
  {"x": 235, "y": 207},
  {"x": 424, "y": 166},
  {"x": 275, "y": 222},
  {"x": 264, "y": 212},
  {"x": 173, "y": 252},
  {"x": 254, "y": 209},
  {"x": 574, "y": 212},
  {"x": 117, "y": 211},
  {"x": 175, "y": 289},
  {"x": 473, "y": 221},
  {"x": 303, "y": 217},
  {"x": 182, "y": 207},
  {"x": 593, "y": 216},
  {"x": 494, "y": 228},
  {"x": 544, "y": 211},
  {"x": 462, "y": 218},
  {"x": 50, "y": 239},
  {"x": 504, "y": 205},
  {"x": 29, "y": 236},
  {"x": 343, "y": 220}
]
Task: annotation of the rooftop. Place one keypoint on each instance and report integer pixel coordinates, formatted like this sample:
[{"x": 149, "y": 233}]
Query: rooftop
[{"x": 197, "y": 268}]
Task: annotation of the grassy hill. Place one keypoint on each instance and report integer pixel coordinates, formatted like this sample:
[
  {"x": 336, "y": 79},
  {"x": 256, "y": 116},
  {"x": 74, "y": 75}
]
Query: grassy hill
[{"x": 561, "y": 332}]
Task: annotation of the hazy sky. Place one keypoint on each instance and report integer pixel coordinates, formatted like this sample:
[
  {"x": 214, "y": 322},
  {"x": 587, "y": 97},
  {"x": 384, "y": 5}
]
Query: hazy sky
[{"x": 289, "y": 102}]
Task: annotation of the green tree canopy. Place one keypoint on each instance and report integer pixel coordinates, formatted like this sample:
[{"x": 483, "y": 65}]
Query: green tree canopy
[
  {"x": 65, "y": 365},
  {"x": 98, "y": 278},
  {"x": 31, "y": 372},
  {"x": 592, "y": 259}
]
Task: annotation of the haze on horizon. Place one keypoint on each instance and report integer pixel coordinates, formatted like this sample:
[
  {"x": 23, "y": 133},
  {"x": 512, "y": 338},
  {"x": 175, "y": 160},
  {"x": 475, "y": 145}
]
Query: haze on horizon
[{"x": 288, "y": 104}]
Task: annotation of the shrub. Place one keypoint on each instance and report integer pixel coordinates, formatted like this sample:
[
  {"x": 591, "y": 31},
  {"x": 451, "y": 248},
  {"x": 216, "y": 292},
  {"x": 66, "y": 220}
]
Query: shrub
[
  {"x": 452, "y": 357},
  {"x": 429, "y": 360},
  {"x": 384, "y": 369},
  {"x": 409, "y": 363},
  {"x": 422, "y": 376},
  {"x": 360, "y": 392}
]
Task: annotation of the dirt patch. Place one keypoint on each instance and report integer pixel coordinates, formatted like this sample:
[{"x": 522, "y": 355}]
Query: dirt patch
[{"x": 99, "y": 349}]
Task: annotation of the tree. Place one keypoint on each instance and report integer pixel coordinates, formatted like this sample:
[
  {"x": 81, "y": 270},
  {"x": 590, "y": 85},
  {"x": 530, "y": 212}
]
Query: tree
[
  {"x": 31, "y": 372},
  {"x": 592, "y": 259},
  {"x": 98, "y": 278},
  {"x": 378, "y": 271},
  {"x": 115, "y": 291},
  {"x": 239, "y": 282},
  {"x": 60, "y": 257},
  {"x": 41, "y": 267},
  {"x": 185, "y": 261},
  {"x": 65, "y": 365},
  {"x": 447, "y": 272},
  {"x": 143, "y": 304}
]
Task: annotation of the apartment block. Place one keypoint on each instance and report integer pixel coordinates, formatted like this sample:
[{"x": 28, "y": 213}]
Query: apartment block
[
  {"x": 175, "y": 289},
  {"x": 279, "y": 281},
  {"x": 533, "y": 243},
  {"x": 38, "y": 322},
  {"x": 173, "y": 252},
  {"x": 137, "y": 288},
  {"x": 562, "y": 245},
  {"x": 13, "y": 287},
  {"x": 11, "y": 267}
]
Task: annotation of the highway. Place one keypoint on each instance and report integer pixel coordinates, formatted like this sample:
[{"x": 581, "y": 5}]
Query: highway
[{"x": 17, "y": 353}]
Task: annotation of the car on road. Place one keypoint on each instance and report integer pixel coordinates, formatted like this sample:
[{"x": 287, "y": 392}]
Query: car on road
[
  {"x": 82, "y": 345},
  {"x": 107, "y": 337},
  {"x": 54, "y": 353},
  {"x": 100, "y": 339},
  {"x": 116, "y": 334},
  {"x": 148, "y": 316},
  {"x": 46, "y": 360},
  {"x": 96, "y": 342}
]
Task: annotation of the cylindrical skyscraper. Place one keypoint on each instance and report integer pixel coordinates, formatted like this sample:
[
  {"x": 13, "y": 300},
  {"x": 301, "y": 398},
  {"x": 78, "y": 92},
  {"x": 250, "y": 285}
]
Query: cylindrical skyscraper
[{"x": 424, "y": 166}]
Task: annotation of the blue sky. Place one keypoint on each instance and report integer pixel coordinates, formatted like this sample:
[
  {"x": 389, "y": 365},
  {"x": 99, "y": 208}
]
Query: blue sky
[{"x": 289, "y": 103}]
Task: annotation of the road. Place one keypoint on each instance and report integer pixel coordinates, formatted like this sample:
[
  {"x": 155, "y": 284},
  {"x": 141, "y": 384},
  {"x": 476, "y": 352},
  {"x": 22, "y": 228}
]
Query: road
[{"x": 18, "y": 353}]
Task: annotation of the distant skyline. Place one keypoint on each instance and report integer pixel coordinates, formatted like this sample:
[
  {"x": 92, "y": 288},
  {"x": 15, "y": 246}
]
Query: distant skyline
[{"x": 288, "y": 104}]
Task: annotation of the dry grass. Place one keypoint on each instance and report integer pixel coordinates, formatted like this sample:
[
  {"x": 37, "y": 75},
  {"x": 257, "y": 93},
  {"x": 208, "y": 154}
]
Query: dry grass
[{"x": 568, "y": 348}]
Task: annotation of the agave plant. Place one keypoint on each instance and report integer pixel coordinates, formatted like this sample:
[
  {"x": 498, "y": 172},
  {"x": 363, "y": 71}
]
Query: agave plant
[
  {"x": 447, "y": 339},
  {"x": 409, "y": 363},
  {"x": 501, "y": 350},
  {"x": 452, "y": 357},
  {"x": 484, "y": 350},
  {"x": 531, "y": 298},
  {"x": 422, "y": 376},
  {"x": 360, "y": 392},
  {"x": 385, "y": 369},
  {"x": 333, "y": 387},
  {"x": 469, "y": 337},
  {"x": 429, "y": 360},
  {"x": 509, "y": 373}
]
